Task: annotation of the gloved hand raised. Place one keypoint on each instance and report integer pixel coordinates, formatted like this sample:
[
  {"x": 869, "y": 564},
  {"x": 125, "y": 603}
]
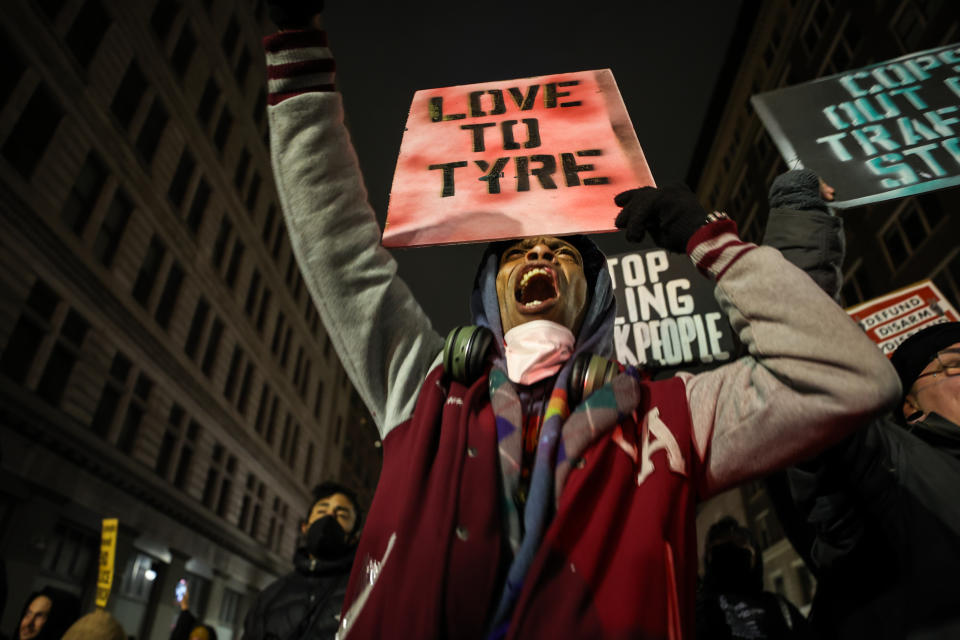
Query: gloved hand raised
[
  {"x": 293, "y": 14},
  {"x": 670, "y": 214}
]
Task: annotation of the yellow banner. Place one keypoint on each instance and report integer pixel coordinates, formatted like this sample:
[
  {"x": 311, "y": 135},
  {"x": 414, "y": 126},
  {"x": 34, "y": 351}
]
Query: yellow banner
[{"x": 108, "y": 550}]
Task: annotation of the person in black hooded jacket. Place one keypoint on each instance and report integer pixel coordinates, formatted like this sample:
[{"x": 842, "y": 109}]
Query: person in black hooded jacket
[
  {"x": 731, "y": 602},
  {"x": 47, "y": 614},
  {"x": 305, "y": 604},
  {"x": 877, "y": 516}
]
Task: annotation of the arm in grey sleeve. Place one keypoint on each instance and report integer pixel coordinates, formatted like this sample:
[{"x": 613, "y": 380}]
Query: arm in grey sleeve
[
  {"x": 811, "y": 376},
  {"x": 383, "y": 337}
]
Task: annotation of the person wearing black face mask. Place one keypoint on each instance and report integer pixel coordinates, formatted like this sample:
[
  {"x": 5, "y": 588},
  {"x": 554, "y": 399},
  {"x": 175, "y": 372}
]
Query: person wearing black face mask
[
  {"x": 731, "y": 602},
  {"x": 305, "y": 604}
]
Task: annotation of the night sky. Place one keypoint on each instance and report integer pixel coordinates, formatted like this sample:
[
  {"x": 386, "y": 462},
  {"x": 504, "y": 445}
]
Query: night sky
[{"x": 664, "y": 56}]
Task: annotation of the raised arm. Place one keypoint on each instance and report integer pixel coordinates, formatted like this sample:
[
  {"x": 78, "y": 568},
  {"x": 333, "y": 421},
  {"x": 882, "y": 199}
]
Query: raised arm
[
  {"x": 811, "y": 376},
  {"x": 383, "y": 337}
]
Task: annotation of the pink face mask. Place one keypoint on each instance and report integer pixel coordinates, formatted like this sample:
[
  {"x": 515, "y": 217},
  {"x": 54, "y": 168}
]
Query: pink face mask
[{"x": 536, "y": 350}]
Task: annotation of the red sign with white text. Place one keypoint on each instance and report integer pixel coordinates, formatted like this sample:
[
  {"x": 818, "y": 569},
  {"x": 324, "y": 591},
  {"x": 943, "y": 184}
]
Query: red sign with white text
[
  {"x": 891, "y": 319},
  {"x": 496, "y": 160}
]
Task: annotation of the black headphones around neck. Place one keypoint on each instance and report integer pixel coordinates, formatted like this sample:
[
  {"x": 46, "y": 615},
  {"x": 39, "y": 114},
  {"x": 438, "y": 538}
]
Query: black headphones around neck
[{"x": 465, "y": 358}]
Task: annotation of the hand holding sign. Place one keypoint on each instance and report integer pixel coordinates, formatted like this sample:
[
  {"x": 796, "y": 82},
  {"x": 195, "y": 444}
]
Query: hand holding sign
[{"x": 671, "y": 214}]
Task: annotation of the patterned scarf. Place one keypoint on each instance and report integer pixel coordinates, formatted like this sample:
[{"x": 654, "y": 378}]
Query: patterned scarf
[{"x": 563, "y": 437}]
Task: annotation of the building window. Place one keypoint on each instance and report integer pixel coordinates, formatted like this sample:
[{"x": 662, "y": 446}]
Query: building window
[
  {"x": 13, "y": 69},
  {"x": 286, "y": 347},
  {"x": 63, "y": 358},
  {"x": 236, "y": 259},
  {"x": 149, "y": 138},
  {"x": 907, "y": 230},
  {"x": 182, "y": 475},
  {"x": 213, "y": 347},
  {"x": 308, "y": 465},
  {"x": 252, "y": 292},
  {"x": 297, "y": 367},
  {"x": 305, "y": 380},
  {"x": 110, "y": 398},
  {"x": 197, "y": 326},
  {"x": 112, "y": 228},
  {"x": 294, "y": 447},
  {"x": 226, "y": 486},
  {"x": 268, "y": 225},
  {"x": 84, "y": 194},
  {"x": 261, "y": 408},
  {"x": 278, "y": 517},
  {"x": 243, "y": 67},
  {"x": 168, "y": 299},
  {"x": 244, "y": 396},
  {"x": 135, "y": 584},
  {"x": 277, "y": 332},
  {"x": 233, "y": 372},
  {"x": 250, "y": 508},
  {"x": 213, "y": 476},
  {"x": 318, "y": 400},
  {"x": 253, "y": 192},
  {"x": 271, "y": 421},
  {"x": 240, "y": 175},
  {"x": 230, "y": 37},
  {"x": 264, "y": 307},
  {"x": 199, "y": 206},
  {"x": 136, "y": 409},
  {"x": 129, "y": 95},
  {"x": 909, "y": 25},
  {"x": 51, "y": 8},
  {"x": 87, "y": 32},
  {"x": 171, "y": 439},
  {"x": 162, "y": 19},
  {"x": 223, "y": 129},
  {"x": 183, "y": 51},
  {"x": 32, "y": 133},
  {"x": 149, "y": 269},
  {"x": 211, "y": 93},
  {"x": 33, "y": 324},
  {"x": 220, "y": 244},
  {"x": 947, "y": 278},
  {"x": 181, "y": 179},
  {"x": 71, "y": 554},
  {"x": 260, "y": 107},
  {"x": 230, "y": 607},
  {"x": 285, "y": 438}
]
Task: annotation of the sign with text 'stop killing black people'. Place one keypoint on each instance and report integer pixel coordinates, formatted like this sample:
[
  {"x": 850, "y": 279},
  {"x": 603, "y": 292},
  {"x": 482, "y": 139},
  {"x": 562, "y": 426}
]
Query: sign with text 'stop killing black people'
[
  {"x": 542, "y": 155},
  {"x": 667, "y": 316},
  {"x": 885, "y": 131}
]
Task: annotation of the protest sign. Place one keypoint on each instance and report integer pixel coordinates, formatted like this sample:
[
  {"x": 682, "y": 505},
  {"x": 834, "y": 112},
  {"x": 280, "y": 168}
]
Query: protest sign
[
  {"x": 885, "y": 131},
  {"x": 108, "y": 552},
  {"x": 667, "y": 316},
  {"x": 542, "y": 155},
  {"x": 891, "y": 319}
]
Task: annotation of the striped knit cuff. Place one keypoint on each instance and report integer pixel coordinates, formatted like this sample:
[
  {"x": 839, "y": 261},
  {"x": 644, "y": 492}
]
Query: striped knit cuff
[
  {"x": 716, "y": 246},
  {"x": 297, "y": 62}
]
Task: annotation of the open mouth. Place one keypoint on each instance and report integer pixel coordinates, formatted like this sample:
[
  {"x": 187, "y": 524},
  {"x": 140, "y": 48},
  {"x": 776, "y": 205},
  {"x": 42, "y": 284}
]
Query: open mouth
[{"x": 536, "y": 289}]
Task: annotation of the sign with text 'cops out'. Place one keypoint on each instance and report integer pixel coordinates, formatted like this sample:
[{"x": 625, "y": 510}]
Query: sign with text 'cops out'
[
  {"x": 543, "y": 155},
  {"x": 667, "y": 316},
  {"x": 891, "y": 319},
  {"x": 885, "y": 131}
]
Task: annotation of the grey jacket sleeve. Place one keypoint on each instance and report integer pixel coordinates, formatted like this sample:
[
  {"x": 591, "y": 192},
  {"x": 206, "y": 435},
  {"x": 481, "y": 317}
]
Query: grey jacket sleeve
[
  {"x": 811, "y": 376},
  {"x": 384, "y": 339}
]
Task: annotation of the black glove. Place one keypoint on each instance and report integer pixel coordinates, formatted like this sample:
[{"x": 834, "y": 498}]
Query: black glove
[
  {"x": 671, "y": 214},
  {"x": 293, "y": 14}
]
